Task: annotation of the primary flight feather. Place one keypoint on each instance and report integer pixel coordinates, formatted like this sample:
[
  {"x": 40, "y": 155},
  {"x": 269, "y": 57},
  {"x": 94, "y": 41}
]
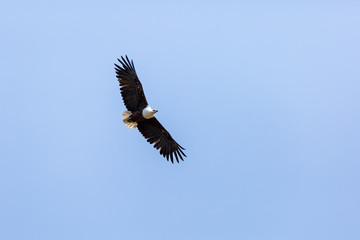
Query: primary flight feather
[{"x": 139, "y": 114}]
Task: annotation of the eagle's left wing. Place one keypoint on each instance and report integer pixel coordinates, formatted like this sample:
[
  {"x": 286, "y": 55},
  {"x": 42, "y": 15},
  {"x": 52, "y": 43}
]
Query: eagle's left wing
[
  {"x": 130, "y": 85},
  {"x": 154, "y": 132}
]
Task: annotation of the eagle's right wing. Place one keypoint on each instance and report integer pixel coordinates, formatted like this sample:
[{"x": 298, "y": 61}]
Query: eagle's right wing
[
  {"x": 131, "y": 89},
  {"x": 154, "y": 132}
]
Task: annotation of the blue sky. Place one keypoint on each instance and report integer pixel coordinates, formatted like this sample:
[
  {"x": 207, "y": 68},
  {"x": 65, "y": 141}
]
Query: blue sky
[{"x": 265, "y": 98}]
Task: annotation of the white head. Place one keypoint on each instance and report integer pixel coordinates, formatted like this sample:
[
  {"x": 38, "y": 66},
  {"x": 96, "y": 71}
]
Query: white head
[{"x": 148, "y": 112}]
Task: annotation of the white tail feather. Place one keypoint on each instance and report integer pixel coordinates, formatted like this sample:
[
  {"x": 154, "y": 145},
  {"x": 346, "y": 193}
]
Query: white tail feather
[{"x": 126, "y": 119}]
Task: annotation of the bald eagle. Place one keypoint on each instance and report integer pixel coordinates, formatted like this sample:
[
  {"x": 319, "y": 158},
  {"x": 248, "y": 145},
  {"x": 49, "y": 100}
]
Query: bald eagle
[{"x": 139, "y": 113}]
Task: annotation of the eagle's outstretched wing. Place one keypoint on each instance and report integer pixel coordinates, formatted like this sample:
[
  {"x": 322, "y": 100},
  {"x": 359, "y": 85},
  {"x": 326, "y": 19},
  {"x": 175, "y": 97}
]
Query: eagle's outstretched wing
[
  {"x": 131, "y": 89},
  {"x": 154, "y": 132}
]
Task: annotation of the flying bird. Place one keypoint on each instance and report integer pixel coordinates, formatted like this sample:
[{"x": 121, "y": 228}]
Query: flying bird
[{"x": 139, "y": 113}]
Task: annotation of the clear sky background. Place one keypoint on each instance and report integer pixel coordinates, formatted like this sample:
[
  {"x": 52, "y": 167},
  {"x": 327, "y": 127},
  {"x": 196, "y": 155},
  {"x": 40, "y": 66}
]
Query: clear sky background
[{"x": 265, "y": 97}]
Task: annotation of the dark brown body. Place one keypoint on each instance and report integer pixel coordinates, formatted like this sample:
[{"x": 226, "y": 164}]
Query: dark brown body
[{"x": 137, "y": 116}]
